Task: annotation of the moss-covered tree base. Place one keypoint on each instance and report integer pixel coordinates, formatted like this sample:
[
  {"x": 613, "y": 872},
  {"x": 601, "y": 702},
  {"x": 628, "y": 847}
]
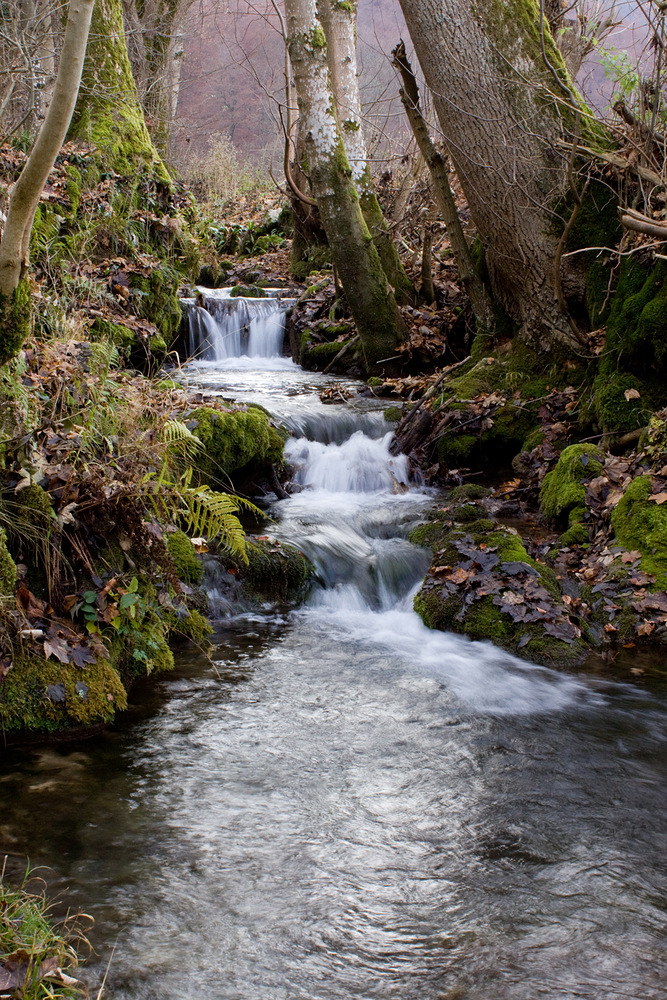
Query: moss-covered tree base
[{"x": 15, "y": 324}]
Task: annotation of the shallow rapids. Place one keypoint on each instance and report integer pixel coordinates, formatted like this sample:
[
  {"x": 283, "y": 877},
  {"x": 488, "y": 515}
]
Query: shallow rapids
[{"x": 346, "y": 804}]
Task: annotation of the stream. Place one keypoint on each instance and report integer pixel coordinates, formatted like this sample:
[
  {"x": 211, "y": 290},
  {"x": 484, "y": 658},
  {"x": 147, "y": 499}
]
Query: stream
[{"x": 348, "y": 804}]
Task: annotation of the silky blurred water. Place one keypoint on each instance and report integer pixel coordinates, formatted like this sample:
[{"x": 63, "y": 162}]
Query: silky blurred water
[{"x": 346, "y": 804}]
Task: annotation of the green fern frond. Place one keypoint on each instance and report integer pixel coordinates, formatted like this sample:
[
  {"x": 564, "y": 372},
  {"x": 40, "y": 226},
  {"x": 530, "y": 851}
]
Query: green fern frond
[{"x": 176, "y": 432}]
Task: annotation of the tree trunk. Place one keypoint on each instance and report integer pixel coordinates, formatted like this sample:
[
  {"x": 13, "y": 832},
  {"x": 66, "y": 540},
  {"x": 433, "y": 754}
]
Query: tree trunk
[
  {"x": 505, "y": 104},
  {"x": 339, "y": 23},
  {"x": 24, "y": 198},
  {"x": 155, "y": 47},
  {"x": 108, "y": 113},
  {"x": 354, "y": 254},
  {"x": 479, "y": 297}
]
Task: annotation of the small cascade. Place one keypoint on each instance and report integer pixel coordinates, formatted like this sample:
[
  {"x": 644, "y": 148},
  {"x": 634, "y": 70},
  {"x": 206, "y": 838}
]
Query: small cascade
[{"x": 221, "y": 327}]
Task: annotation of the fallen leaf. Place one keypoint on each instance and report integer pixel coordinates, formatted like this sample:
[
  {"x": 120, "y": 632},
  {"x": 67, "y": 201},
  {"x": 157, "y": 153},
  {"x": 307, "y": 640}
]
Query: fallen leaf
[
  {"x": 631, "y": 394},
  {"x": 57, "y": 647},
  {"x": 658, "y": 498},
  {"x": 646, "y": 628}
]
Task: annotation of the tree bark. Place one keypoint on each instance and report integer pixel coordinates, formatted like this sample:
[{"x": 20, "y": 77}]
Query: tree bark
[
  {"x": 339, "y": 23},
  {"x": 354, "y": 254},
  {"x": 108, "y": 113},
  {"x": 153, "y": 30},
  {"x": 504, "y": 102},
  {"x": 24, "y": 198},
  {"x": 479, "y": 297}
]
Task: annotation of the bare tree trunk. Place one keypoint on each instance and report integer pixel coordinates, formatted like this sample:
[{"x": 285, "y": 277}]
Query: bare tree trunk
[
  {"x": 504, "y": 102},
  {"x": 24, "y": 198},
  {"x": 354, "y": 254},
  {"x": 339, "y": 23},
  {"x": 471, "y": 281}
]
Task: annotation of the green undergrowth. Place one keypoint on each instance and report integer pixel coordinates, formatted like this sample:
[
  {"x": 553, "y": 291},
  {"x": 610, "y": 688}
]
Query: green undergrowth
[
  {"x": 563, "y": 493},
  {"x": 38, "y": 955},
  {"x": 640, "y": 524}
]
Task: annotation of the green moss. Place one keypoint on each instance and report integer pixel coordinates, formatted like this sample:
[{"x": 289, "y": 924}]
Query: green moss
[
  {"x": 108, "y": 113},
  {"x": 317, "y": 38},
  {"x": 91, "y": 695},
  {"x": 7, "y": 568},
  {"x": 563, "y": 491},
  {"x": 187, "y": 563},
  {"x": 123, "y": 337},
  {"x": 247, "y": 292},
  {"x": 393, "y": 414},
  {"x": 457, "y": 450},
  {"x": 535, "y": 438},
  {"x": 319, "y": 355},
  {"x": 34, "y": 508},
  {"x": 275, "y": 572},
  {"x": 465, "y": 513},
  {"x": 15, "y": 316},
  {"x": 469, "y": 491},
  {"x": 159, "y": 301},
  {"x": 475, "y": 614},
  {"x": 641, "y": 525},
  {"x": 234, "y": 440}
]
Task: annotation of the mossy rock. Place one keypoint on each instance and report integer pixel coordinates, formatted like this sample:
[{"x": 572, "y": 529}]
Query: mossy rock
[
  {"x": 123, "y": 337},
  {"x": 393, "y": 414},
  {"x": 478, "y": 579},
  {"x": 563, "y": 493},
  {"x": 641, "y": 525},
  {"x": 46, "y": 696},
  {"x": 187, "y": 562},
  {"x": 318, "y": 356},
  {"x": 247, "y": 292},
  {"x": 274, "y": 572},
  {"x": 159, "y": 303},
  {"x": 234, "y": 441},
  {"x": 469, "y": 491},
  {"x": 33, "y": 509}
]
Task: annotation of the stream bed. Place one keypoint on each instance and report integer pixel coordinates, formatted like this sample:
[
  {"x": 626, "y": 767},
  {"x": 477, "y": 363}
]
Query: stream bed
[{"x": 348, "y": 804}]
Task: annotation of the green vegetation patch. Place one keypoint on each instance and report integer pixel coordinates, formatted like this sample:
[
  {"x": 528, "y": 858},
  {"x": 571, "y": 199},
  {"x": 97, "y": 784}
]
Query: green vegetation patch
[
  {"x": 640, "y": 524},
  {"x": 563, "y": 493},
  {"x": 33, "y": 948},
  {"x": 483, "y": 584},
  {"x": 187, "y": 562},
  {"x": 234, "y": 440}
]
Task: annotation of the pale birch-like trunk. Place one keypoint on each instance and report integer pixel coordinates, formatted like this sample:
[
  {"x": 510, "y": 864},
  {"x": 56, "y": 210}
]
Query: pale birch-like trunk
[
  {"x": 339, "y": 21},
  {"x": 504, "y": 103},
  {"x": 354, "y": 254},
  {"x": 25, "y": 195}
]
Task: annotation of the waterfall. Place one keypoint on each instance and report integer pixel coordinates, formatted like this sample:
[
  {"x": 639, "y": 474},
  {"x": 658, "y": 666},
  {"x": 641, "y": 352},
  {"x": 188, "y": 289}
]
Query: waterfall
[{"x": 224, "y": 327}]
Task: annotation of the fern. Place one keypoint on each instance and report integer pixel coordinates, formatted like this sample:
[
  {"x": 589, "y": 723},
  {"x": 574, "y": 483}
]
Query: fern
[
  {"x": 202, "y": 511},
  {"x": 176, "y": 432}
]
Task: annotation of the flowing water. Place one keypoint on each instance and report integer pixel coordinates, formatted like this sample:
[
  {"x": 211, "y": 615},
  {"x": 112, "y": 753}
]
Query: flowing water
[{"x": 347, "y": 804}]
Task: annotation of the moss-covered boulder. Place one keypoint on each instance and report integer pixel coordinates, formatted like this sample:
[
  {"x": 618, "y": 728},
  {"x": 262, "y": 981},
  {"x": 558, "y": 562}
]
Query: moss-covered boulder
[
  {"x": 483, "y": 584},
  {"x": 235, "y": 442},
  {"x": 276, "y": 572},
  {"x": 247, "y": 292},
  {"x": 188, "y": 565},
  {"x": 563, "y": 493},
  {"x": 46, "y": 696},
  {"x": 640, "y": 524}
]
